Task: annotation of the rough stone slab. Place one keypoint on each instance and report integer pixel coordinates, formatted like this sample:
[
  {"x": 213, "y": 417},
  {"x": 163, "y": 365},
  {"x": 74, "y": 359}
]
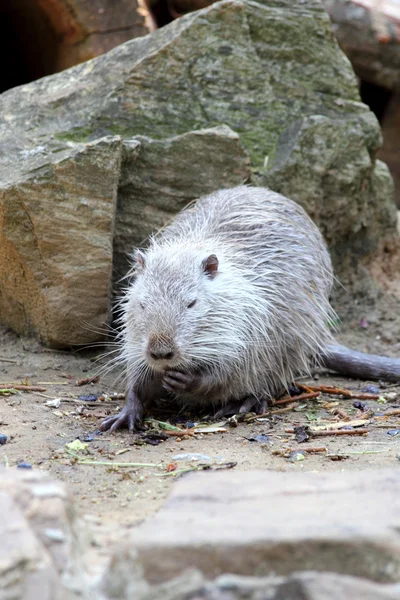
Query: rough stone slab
[
  {"x": 307, "y": 166},
  {"x": 263, "y": 523},
  {"x": 124, "y": 581},
  {"x": 39, "y": 554},
  {"x": 306, "y": 585},
  {"x": 330, "y": 586},
  {"x": 255, "y": 67},
  {"x": 57, "y": 209},
  {"x": 258, "y": 68},
  {"x": 160, "y": 177},
  {"x": 223, "y": 64},
  {"x": 25, "y": 567}
]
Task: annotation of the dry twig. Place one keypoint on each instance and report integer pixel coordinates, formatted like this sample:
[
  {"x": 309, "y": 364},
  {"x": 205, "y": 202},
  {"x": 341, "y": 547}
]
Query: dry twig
[
  {"x": 309, "y": 450},
  {"x": 311, "y": 433},
  {"x": 335, "y": 391},
  {"x": 288, "y": 399},
  {"x": 87, "y": 380},
  {"x": 26, "y": 388}
]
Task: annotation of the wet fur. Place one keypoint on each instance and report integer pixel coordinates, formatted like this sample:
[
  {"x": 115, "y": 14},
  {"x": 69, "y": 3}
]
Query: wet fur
[{"x": 260, "y": 322}]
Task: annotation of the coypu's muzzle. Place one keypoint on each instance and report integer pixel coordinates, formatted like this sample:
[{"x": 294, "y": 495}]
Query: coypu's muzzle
[{"x": 161, "y": 351}]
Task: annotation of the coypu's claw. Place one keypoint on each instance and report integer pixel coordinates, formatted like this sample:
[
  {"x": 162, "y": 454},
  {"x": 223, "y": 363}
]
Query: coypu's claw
[
  {"x": 122, "y": 419},
  {"x": 249, "y": 404},
  {"x": 131, "y": 416},
  {"x": 176, "y": 381},
  {"x": 257, "y": 405}
]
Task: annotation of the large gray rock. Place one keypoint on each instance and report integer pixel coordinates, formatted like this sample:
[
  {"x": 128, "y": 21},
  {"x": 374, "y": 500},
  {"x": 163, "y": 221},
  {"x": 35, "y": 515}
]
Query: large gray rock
[
  {"x": 259, "y": 69},
  {"x": 262, "y": 523},
  {"x": 224, "y": 64},
  {"x": 39, "y": 552},
  {"x": 160, "y": 177},
  {"x": 322, "y": 163}
]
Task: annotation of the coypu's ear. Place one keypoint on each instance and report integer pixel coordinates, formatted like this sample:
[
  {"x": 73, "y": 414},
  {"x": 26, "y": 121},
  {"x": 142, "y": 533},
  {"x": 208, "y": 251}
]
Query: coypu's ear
[
  {"x": 139, "y": 260},
  {"x": 210, "y": 265}
]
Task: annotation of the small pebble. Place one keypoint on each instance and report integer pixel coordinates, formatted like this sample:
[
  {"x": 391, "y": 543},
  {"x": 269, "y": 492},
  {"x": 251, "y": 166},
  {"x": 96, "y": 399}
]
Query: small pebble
[
  {"x": 3, "y": 438},
  {"x": 296, "y": 456},
  {"x": 301, "y": 433},
  {"x": 370, "y": 389},
  {"x": 24, "y": 465},
  {"x": 55, "y": 535},
  {"x": 263, "y": 439},
  {"x": 294, "y": 390},
  {"x": 360, "y": 405},
  {"x": 194, "y": 456}
]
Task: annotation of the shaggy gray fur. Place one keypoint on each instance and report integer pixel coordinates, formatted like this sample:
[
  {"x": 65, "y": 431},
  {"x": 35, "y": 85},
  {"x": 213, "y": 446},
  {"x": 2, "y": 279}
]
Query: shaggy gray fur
[{"x": 262, "y": 320}]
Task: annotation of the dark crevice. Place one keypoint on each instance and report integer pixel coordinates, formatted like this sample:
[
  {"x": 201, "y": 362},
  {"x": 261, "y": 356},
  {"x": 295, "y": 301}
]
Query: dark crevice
[
  {"x": 160, "y": 11},
  {"x": 376, "y": 97},
  {"x": 31, "y": 46},
  {"x": 27, "y": 43}
]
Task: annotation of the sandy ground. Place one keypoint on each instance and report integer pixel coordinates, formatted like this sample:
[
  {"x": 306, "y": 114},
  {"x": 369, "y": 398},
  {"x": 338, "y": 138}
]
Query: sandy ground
[{"x": 110, "y": 497}]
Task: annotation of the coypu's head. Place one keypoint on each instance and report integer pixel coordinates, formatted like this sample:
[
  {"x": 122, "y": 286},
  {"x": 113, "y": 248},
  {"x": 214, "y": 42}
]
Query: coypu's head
[{"x": 171, "y": 309}]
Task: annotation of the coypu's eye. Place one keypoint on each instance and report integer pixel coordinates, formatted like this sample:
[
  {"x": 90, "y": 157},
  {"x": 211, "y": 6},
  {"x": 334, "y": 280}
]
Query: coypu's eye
[{"x": 192, "y": 303}]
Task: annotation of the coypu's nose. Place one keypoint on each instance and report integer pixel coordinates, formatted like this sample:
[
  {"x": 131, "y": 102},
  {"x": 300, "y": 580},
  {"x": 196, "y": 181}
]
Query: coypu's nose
[
  {"x": 162, "y": 355},
  {"x": 161, "y": 347}
]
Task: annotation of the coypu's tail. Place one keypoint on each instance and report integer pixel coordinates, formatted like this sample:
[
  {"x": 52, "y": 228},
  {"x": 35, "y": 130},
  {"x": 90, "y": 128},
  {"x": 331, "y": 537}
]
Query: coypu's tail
[{"x": 360, "y": 365}]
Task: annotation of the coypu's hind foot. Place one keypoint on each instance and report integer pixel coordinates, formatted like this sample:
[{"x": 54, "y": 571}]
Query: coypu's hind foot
[
  {"x": 249, "y": 404},
  {"x": 131, "y": 416}
]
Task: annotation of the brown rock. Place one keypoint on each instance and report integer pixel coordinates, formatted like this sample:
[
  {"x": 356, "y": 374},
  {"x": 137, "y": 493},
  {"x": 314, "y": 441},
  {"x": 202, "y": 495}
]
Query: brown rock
[
  {"x": 368, "y": 33},
  {"x": 85, "y": 29},
  {"x": 258, "y": 523},
  {"x": 390, "y": 152},
  {"x": 56, "y": 228}
]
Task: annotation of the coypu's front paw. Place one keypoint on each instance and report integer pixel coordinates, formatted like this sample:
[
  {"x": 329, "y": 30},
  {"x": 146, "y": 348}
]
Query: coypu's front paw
[{"x": 177, "y": 382}]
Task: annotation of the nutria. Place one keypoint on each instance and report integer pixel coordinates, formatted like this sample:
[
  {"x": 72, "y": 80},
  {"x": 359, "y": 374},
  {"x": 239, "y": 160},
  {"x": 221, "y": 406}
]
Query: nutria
[{"x": 228, "y": 305}]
